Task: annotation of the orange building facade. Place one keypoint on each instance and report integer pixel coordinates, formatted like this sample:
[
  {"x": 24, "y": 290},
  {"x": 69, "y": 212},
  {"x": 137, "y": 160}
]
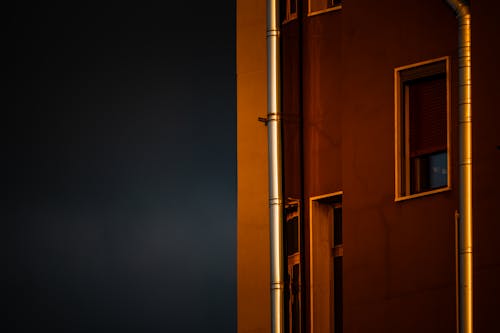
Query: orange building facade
[{"x": 370, "y": 166}]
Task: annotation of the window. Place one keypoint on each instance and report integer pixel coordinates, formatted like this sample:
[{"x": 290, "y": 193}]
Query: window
[
  {"x": 290, "y": 10},
  {"x": 321, "y": 6},
  {"x": 293, "y": 292},
  {"x": 326, "y": 258},
  {"x": 422, "y": 128}
]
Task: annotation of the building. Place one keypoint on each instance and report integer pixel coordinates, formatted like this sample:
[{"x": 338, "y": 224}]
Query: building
[{"x": 370, "y": 166}]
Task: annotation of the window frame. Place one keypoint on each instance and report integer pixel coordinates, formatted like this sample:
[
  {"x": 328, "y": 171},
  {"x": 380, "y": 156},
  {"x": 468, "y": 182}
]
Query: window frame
[
  {"x": 321, "y": 11},
  {"x": 288, "y": 15},
  {"x": 402, "y": 177}
]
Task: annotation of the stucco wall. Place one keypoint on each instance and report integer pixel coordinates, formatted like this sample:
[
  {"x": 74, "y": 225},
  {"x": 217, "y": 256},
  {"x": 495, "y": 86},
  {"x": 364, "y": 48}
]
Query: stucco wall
[{"x": 253, "y": 223}]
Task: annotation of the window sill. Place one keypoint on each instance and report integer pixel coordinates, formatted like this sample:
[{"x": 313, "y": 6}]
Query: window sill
[
  {"x": 322, "y": 11},
  {"x": 422, "y": 194},
  {"x": 288, "y": 20}
]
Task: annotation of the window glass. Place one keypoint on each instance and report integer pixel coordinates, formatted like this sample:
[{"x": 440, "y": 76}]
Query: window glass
[
  {"x": 292, "y": 233},
  {"x": 293, "y": 6},
  {"x": 337, "y": 226}
]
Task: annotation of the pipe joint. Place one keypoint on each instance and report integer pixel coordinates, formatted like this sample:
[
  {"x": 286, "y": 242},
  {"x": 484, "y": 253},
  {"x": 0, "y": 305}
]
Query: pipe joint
[
  {"x": 465, "y": 161},
  {"x": 465, "y": 118},
  {"x": 272, "y": 33},
  {"x": 277, "y": 285},
  {"x": 273, "y": 117},
  {"x": 275, "y": 202}
]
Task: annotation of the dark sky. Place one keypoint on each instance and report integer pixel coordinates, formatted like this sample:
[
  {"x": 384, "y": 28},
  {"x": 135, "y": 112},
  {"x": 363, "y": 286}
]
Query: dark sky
[{"x": 119, "y": 167}]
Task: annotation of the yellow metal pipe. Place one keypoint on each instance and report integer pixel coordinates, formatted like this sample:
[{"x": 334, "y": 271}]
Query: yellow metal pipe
[
  {"x": 275, "y": 167},
  {"x": 462, "y": 11}
]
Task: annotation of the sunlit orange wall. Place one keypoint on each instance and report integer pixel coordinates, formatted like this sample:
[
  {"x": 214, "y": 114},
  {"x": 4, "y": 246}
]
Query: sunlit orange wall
[{"x": 253, "y": 297}]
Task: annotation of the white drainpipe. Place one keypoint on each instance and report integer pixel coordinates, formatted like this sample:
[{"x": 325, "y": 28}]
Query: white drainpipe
[
  {"x": 462, "y": 11},
  {"x": 275, "y": 167}
]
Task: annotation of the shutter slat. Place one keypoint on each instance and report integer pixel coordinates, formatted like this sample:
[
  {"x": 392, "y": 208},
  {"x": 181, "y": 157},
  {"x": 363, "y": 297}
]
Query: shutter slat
[{"x": 427, "y": 101}]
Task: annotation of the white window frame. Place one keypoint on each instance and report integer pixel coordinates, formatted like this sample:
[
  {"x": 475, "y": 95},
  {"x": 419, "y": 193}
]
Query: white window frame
[
  {"x": 321, "y": 11},
  {"x": 288, "y": 15},
  {"x": 402, "y": 178}
]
